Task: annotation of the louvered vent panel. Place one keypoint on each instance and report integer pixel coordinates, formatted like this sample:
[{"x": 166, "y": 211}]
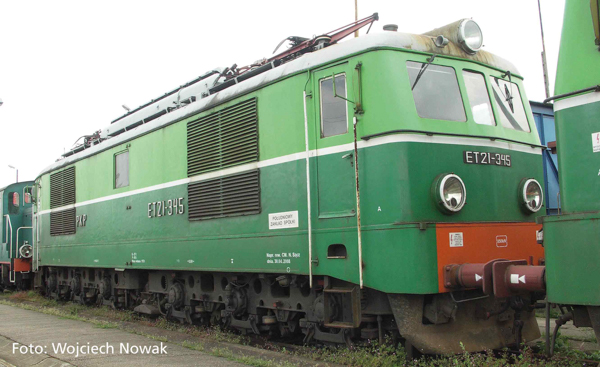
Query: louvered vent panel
[
  {"x": 56, "y": 184},
  {"x": 233, "y": 195},
  {"x": 62, "y": 222},
  {"x": 62, "y": 188},
  {"x": 223, "y": 139},
  {"x": 62, "y": 192}
]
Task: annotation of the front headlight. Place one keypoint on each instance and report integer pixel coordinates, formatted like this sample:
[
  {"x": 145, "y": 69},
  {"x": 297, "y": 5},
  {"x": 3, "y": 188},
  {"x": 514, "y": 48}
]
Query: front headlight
[
  {"x": 531, "y": 195},
  {"x": 449, "y": 193},
  {"x": 470, "y": 36}
]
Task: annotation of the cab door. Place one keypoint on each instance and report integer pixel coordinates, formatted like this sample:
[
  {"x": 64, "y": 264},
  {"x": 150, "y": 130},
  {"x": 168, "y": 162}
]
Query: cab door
[{"x": 334, "y": 114}]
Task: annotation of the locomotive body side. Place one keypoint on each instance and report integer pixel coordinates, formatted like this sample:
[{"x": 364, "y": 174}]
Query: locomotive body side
[
  {"x": 134, "y": 213},
  {"x": 571, "y": 239}
]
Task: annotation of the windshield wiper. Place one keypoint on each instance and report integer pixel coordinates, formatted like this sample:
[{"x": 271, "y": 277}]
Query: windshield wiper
[
  {"x": 422, "y": 71},
  {"x": 508, "y": 93}
]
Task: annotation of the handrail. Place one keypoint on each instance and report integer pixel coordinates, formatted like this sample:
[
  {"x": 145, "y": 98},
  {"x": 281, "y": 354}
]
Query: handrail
[
  {"x": 431, "y": 133},
  {"x": 6, "y": 228},
  {"x": 595, "y": 88},
  {"x": 9, "y": 241},
  {"x": 18, "y": 229},
  {"x": 308, "y": 198}
]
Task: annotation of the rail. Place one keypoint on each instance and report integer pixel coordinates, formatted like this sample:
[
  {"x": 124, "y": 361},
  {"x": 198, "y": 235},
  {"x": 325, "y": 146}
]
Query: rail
[
  {"x": 18, "y": 229},
  {"x": 308, "y": 198},
  {"x": 431, "y": 133},
  {"x": 595, "y": 88},
  {"x": 9, "y": 241}
]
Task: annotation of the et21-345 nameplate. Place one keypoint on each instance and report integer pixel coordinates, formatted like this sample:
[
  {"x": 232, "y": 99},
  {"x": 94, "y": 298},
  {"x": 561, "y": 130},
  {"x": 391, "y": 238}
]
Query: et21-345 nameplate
[
  {"x": 165, "y": 208},
  {"x": 494, "y": 159}
]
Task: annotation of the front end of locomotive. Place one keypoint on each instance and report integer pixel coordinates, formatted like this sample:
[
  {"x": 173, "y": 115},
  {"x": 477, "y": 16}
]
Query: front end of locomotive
[
  {"x": 453, "y": 209},
  {"x": 16, "y": 250}
]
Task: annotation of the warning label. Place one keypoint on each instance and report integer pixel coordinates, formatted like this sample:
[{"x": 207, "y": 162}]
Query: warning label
[
  {"x": 456, "y": 239},
  {"x": 283, "y": 220},
  {"x": 596, "y": 142}
]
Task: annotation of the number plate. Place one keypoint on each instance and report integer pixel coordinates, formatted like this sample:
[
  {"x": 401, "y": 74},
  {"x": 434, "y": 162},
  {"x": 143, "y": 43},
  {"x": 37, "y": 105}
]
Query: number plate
[{"x": 495, "y": 159}]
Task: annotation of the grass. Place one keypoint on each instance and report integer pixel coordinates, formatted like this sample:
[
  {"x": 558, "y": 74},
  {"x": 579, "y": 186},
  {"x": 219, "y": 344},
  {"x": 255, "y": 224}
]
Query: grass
[
  {"x": 554, "y": 312},
  {"x": 369, "y": 354}
]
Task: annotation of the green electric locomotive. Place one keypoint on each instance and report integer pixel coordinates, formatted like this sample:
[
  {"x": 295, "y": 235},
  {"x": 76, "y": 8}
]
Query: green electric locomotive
[
  {"x": 16, "y": 251},
  {"x": 571, "y": 238},
  {"x": 343, "y": 190}
]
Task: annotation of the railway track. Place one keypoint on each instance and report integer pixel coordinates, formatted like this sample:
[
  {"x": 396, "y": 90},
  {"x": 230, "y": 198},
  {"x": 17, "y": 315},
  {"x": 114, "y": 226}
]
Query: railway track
[{"x": 294, "y": 345}]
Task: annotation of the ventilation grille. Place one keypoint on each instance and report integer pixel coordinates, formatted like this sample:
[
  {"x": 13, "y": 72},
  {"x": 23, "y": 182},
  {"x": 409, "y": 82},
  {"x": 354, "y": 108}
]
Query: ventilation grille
[
  {"x": 62, "y": 223},
  {"x": 222, "y": 139},
  {"x": 233, "y": 195},
  {"x": 62, "y": 188}
]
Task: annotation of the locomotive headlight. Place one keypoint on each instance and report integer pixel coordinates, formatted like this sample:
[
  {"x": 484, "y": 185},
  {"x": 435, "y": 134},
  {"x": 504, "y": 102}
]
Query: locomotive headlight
[
  {"x": 449, "y": 193},
  {"x": 531, "y": 195},
  {"x": 470, "y": 36}
]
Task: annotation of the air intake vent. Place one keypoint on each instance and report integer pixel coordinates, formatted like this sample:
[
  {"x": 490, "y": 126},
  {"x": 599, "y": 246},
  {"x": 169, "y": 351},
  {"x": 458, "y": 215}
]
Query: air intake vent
[
  {"x": 62, "y": 222},
  {"x": 233, "y": 195},
  {"x": 62, "y": 192},
  {"x": 62, "y": 188},
  {"x": 223, "y": 139}
]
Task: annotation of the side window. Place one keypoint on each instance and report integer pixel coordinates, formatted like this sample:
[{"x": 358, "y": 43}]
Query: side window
[
  {"x": 122, "y": 169},
  {"x": 334, "y": 110},
  {"x": 481, "y": 106},
  {"x": 510, "y": 106},
  {"x": 13, "y": 202},
  {"x": 27, "y": 195},
  {"x": 436, "y": 93}
]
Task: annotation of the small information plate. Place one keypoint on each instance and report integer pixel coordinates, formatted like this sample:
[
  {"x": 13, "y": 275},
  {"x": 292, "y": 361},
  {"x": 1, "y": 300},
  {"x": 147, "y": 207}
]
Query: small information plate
[
  {"x": 283, "y": 220},
  {"x": 456, "y": 239}
]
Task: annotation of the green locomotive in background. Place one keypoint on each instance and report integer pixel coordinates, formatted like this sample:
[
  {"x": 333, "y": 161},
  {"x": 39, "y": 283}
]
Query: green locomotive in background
[
  {"x": 337, "y": 190},
  {"x": 16, "y": 235},
  {"x": 571, "y": 238}
]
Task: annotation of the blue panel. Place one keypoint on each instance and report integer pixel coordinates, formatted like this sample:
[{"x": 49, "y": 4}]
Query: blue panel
[
  {"x": 549, "y": 132},
  {"x": 544, "y": 121}
]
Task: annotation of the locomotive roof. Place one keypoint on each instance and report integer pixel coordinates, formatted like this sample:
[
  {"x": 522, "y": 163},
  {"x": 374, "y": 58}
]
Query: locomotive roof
[
  {"x": 391, "y": 40},
  {"x": 14, "y": 184}
]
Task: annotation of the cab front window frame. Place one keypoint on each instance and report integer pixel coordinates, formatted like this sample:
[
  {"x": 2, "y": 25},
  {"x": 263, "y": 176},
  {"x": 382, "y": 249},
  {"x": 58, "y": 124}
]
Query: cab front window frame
[{"x": 477, "y": 96}]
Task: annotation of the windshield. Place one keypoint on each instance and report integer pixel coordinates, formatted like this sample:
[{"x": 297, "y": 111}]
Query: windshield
[
  {"x": 481, "y": 107},
  {"x": 437, "y": 95},
  {"x": 510, "y": 106}
]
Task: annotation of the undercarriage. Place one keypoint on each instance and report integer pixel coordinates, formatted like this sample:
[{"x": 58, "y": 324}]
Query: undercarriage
[{"x": 284, "y": 305}]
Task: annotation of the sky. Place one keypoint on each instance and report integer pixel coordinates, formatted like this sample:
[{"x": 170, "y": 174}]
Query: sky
[{"x": 67, "y": 67}]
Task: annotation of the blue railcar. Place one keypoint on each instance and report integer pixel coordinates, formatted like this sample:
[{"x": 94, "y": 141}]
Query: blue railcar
[{"x": 544, "y": 120}]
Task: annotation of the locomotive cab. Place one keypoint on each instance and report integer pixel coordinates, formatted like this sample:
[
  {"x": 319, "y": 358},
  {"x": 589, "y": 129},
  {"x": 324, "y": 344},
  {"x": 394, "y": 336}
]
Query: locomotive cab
[{"x": 449, "y": 171}]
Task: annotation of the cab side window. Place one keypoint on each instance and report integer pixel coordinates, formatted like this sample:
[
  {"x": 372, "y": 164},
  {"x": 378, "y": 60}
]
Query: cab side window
[
  {"x": 334, "y": 110},
  {"x": 436, "y": 92},
  {"x": 122, "y": 169},
  {"x": 13, "y": 202}
]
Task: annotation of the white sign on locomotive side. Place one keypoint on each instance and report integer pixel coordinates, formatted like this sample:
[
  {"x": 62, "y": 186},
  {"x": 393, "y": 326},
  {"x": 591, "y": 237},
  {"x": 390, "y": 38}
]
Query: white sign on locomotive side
[
  {"x": 596, "y": 142},
  {"x": 283, "y": 220}
]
